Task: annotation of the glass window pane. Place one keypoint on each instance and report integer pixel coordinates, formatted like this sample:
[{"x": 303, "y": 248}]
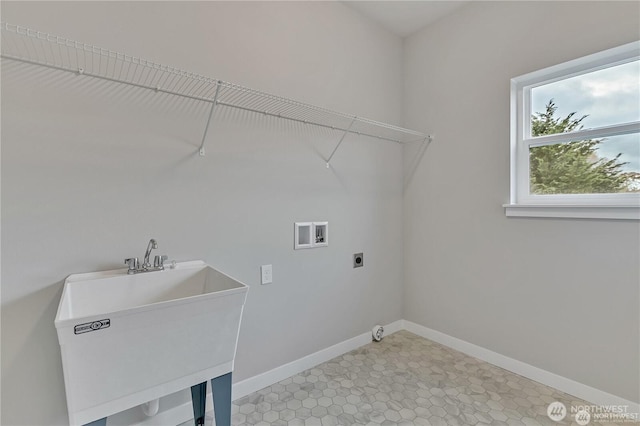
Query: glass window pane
[
  {"x": 605, "y": 97},
  {"x": 607, "y": 165}
]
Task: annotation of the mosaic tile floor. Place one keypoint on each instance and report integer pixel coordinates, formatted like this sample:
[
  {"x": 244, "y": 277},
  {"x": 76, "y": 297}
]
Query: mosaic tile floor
[{"x": 402, "y": 380}]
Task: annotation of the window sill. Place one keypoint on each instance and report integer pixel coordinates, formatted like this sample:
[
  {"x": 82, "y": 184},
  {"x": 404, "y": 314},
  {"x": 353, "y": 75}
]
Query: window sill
[{"x": 573, "y": 211}]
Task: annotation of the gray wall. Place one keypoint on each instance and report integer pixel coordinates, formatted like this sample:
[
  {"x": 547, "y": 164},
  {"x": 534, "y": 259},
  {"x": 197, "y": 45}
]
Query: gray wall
[
  {"x": 561, "y": 295},
  {"x": 91, "y": 171}
]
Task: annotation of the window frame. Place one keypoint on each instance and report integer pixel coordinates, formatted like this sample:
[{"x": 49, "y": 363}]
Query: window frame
[{"x": 522, "y": 203}]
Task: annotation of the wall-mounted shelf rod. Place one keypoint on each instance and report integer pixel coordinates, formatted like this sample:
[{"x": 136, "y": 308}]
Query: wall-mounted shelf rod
[
  {"x": 58, "y": 53},
  {"x": 82, "y": 71},
  {"x": 419, "y": 136}
]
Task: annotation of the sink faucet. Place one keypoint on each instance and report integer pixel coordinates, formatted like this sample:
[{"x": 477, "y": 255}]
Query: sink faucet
[
  {"x": 158, "y": 261},
  {"x": 152, "y": 245}
]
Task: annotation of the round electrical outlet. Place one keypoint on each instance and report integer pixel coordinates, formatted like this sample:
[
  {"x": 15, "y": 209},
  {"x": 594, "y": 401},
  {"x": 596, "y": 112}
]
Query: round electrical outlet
[{"x": 358, "y": 260}]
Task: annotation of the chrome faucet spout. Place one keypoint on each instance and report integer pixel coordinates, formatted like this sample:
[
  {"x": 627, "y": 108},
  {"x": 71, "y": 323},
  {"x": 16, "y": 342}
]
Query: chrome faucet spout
[
  {"x": 152, "y": 245},
  {"x": 158, "y": 262}
]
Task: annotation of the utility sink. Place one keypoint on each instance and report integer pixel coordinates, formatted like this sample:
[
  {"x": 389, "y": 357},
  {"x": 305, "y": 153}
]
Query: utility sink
[{"x": 129, "y": 339}]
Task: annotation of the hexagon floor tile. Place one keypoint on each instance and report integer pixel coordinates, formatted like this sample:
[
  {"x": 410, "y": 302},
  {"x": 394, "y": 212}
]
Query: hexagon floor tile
[{"x": 403, "y": 380}]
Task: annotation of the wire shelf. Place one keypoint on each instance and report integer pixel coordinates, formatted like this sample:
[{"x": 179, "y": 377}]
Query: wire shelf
[{"x": 39, "y": 48}]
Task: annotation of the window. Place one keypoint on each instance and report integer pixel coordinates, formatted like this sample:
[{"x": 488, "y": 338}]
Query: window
[{"x": 575, "y": 138}]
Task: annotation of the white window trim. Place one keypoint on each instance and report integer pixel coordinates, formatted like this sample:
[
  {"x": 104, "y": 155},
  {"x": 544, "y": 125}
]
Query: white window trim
[{"x": 598, "y": 206}]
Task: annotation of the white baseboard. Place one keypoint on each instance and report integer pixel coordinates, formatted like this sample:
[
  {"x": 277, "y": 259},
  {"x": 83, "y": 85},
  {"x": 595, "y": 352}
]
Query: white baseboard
[
  {"x": 582, "y": 391},
  {"x": 252, "y": 384},
  {"x": 245, "y": 387}
]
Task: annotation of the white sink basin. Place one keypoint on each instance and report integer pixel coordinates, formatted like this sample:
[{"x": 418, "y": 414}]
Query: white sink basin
[{"x": 128, "y": 339}]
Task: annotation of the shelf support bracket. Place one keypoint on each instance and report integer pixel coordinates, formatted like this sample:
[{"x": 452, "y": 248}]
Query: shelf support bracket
[
  {"x": 341, "y": 139},
  {"x": 206, "y": 129},
  {"x": 424, "y": 145}
]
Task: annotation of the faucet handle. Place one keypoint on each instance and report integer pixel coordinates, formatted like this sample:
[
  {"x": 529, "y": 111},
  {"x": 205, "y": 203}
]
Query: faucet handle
[
  {"x": 132, "y": 262},
  {"x": 158, "y": 261}
]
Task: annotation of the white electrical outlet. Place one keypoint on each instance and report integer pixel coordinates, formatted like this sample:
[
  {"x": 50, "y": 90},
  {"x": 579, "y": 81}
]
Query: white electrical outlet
[{"x": 267, "y": 274}]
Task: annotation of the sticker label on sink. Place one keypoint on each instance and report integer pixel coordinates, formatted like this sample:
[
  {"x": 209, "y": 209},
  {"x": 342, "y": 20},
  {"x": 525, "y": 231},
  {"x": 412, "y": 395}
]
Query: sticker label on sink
[{"x": 92, "y": 326}]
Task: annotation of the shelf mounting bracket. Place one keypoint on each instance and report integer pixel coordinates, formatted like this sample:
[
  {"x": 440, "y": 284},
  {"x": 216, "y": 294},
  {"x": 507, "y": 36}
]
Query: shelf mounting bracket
[
  {"x": 341, "y": 139},
  {"x": 213, "y": 106}
]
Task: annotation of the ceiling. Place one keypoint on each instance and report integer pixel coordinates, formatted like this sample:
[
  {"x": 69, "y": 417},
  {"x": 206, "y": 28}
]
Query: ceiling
[{"x": 405, "y": 17}]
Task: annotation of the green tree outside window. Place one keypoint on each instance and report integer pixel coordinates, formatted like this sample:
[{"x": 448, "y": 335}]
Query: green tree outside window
[{"x": 573, "y": 167}]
